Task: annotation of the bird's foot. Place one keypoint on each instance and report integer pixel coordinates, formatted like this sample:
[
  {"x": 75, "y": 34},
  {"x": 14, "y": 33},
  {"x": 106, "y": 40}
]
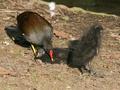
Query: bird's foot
[
  {"x": 91, "y": 72},
  {"x": 83, "y": 69}
]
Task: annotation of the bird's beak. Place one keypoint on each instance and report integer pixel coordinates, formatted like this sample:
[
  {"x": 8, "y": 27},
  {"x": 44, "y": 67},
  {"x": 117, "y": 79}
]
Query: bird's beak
[{"x": 51, "y": 55}]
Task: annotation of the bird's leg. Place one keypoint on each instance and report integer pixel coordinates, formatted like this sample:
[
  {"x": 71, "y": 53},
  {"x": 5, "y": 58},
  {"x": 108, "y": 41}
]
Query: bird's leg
[
  {"x": 89, "y": 68},
  {"x": 93, "y": 72},
  {"x": 83, "y": 69},
  {"x": 34, "y": 50}
]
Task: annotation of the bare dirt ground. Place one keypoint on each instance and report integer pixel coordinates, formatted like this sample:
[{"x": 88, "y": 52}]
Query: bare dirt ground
[{"x": 25, "y": 74}]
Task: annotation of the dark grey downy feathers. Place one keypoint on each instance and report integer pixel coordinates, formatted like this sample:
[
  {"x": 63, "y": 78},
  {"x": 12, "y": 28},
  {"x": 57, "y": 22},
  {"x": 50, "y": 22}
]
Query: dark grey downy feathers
[{"x": 82, "y": 51}]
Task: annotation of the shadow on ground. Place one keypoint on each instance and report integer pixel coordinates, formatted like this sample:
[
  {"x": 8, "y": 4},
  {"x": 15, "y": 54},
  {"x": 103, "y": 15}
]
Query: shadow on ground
[
  {"x": 15, "y": 35},
  {"x": 79, "y": 53}
]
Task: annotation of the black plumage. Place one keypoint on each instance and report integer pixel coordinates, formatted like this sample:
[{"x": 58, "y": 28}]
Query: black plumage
[{"x": 82, "y": 51}]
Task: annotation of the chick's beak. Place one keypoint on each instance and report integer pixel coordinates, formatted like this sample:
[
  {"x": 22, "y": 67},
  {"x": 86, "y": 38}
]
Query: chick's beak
[{"x": 51, "y": 55}]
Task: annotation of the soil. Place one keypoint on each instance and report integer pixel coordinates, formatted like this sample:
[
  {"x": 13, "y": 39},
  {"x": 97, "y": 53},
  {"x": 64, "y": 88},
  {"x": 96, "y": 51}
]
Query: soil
[{"x": 26, "y": 74}]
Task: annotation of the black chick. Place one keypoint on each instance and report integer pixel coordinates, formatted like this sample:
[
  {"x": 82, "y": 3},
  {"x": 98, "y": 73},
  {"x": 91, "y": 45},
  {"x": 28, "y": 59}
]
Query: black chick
[
  {"x": 38, "y": 31},
  {"x": 82, "y": 51}
]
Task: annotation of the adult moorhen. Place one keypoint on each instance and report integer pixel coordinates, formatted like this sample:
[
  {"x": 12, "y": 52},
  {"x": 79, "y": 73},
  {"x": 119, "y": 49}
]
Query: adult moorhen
[{"x": 37, "y": 31}]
